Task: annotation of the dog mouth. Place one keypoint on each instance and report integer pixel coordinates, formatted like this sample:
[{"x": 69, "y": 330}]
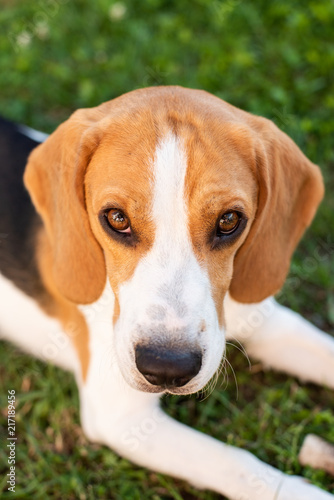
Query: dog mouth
[{"x": 187, "y": 389}]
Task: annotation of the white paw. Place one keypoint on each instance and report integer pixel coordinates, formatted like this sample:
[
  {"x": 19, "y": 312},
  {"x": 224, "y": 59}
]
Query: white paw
[{"x": 296, "y": 488}]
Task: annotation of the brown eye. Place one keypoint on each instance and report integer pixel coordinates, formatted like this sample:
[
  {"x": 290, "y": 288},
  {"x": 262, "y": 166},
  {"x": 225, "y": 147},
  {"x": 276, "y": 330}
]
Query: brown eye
[
  {"x": 118, "y": 221},
  {"x": 229, "y": 222}
]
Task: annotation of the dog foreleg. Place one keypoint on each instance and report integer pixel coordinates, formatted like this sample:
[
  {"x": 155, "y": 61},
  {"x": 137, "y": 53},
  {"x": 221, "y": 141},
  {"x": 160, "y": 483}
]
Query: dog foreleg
[{"x": 131, "y": 423}]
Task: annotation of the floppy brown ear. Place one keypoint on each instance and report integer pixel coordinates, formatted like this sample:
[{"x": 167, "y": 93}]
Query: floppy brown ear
[
  {"x": 290, "y": 190},
  {"x": 54, "y": 177}
]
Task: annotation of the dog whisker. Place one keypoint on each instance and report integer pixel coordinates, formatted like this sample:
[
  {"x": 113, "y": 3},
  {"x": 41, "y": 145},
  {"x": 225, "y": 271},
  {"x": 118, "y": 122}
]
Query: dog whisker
[
  {"x": 235, "y": 378},
  {"x": 240, "y": 348}
]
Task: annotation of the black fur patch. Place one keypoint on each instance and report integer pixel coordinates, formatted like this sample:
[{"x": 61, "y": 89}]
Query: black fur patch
[{"x": 18, "y": 218}]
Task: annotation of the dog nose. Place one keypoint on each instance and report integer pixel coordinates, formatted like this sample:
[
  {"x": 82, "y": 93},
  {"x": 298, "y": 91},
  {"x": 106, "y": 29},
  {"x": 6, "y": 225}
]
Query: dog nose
[{"x": 167, "y": 367}]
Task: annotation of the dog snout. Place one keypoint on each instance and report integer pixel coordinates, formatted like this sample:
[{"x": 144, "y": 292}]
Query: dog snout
[{"x": 167, "y": 367}]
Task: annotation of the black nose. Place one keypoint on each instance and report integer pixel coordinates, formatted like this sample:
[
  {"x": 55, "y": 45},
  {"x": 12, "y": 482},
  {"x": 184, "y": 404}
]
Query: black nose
[{"x": 167, "y": 367}]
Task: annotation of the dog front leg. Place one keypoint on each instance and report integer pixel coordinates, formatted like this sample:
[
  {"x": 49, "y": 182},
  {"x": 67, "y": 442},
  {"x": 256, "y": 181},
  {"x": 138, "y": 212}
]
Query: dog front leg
[
  {"x": 131, "y": 423},
  {"x": 281, "y": 339}
]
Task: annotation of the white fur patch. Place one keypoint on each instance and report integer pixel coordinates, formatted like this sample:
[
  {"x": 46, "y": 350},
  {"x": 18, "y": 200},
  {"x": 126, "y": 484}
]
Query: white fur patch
[
  {"x": 24, "y": 323},
  {"x": 33, "y": 134},
  {"x": 169, "y": 207}
]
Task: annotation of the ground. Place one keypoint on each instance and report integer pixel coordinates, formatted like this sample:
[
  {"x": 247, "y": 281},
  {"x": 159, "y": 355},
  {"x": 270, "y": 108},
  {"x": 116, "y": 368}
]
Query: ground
[{"x": 271, "y": 58}]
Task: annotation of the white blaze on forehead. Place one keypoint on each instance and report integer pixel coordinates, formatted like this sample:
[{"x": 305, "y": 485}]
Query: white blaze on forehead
[{"x": 169, "y": 207}]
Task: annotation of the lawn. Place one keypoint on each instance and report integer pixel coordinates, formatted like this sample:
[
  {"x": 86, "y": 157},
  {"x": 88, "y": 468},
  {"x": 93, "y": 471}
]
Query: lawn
[{"x": 274, "y": 59}]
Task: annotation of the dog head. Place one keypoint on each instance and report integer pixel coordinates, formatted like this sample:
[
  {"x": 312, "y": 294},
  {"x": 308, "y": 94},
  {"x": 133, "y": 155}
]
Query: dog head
[{"x": 173, "y": 197}]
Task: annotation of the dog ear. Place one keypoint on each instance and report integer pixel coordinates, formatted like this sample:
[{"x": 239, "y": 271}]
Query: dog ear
[
  {"x": 54, "y": 177},
  {"x": 290, "y": 190}
]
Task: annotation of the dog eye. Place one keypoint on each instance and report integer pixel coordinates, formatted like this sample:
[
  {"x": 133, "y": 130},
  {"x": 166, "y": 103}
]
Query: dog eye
[
  {"x": 118, "y": 221},
  {"x": 228, "y": 222}
]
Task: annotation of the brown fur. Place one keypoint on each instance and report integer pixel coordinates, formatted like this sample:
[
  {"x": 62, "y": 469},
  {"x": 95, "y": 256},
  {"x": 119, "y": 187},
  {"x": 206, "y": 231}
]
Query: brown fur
[{"x": 60, "y": 307}]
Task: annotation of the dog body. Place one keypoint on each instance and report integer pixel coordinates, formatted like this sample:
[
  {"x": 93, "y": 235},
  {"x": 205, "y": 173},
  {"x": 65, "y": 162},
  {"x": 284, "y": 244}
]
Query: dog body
[{"x": 165, "y": 221}]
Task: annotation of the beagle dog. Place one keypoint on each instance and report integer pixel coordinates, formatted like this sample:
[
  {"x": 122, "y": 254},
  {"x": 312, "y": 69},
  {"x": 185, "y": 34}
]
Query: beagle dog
[{"x": 157, "y": 226}]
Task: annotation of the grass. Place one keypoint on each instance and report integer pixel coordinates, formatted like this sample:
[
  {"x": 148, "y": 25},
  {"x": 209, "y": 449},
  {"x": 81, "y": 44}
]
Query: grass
[{"x": 271, "y": 58}]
